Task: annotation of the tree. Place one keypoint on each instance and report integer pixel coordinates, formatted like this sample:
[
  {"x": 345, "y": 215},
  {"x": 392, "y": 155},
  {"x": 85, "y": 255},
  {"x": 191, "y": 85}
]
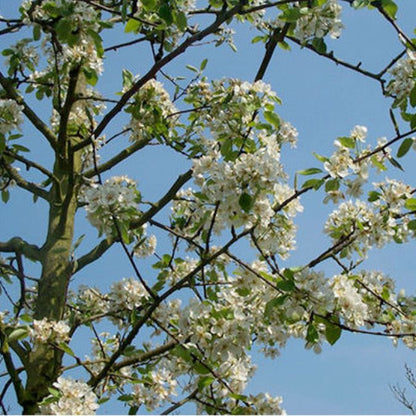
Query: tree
[{"x": 183, "y": 331}]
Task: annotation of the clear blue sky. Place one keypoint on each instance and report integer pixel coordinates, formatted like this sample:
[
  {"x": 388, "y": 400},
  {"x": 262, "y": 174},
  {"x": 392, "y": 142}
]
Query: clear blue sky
[{"x": 323, "y": 101}]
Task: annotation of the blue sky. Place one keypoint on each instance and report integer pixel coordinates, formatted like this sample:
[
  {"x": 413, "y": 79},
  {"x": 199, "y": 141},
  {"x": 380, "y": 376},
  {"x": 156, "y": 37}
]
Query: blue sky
[{"x": 322, "y": 101}]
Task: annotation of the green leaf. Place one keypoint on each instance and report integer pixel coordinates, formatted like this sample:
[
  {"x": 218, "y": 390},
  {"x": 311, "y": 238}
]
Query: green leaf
[
  {"x": 347, "y": 142},
  {"x": 312, "y": 334},
  {"x": 26, "y": 318},
  {"x": 103, "y": 400},
  {"x": 405, "y": 147},
  {"x": 358, "y": 4},
  {"x": 205, "y": 382},
  {"x": 310, "y": 171},
  {"x": 412, "y": 97},
  {"x": 410, "y": 204},
  {"x": 132, "y": 25},
  {"x": 133, "y": 410},
  {"x": 124, "y": 10},
  {"x": 18, "y": 334},
  {"x": 54, "y": 392},
  {"x": 378, "y": 164},
  {"x": 65, "y": 347},
  {"x": 286, "y": 285},
  {"x": 246, "y": 202},
  {"x": 125, "y": 397},
  {"x": 90, "y": 75},
  {"x": 258, "y": 39},
  {"x": 332, "y": 332},
  {"x": 181, "y": 21},
  {"x": 390, "y": 7},
  {"x": 395, "y": 163},
  {"x": 284, "y": 45},
  {"x": 20, "y": 148},
  {"x": 192, "y": 68},
  {"x": 149, "y": 4},
  {"x": 273, "y": 303},
  {"x": 291, "y": 15},
  {"x": 272, "y": 118},
  {"x": 36, "y": 32},
  {"x": 332, "y": 185},
  {"x": 182, "y": 352},
  {"x": 203, "y": 64},
  {"x": 200, "y": 368},
  {"x": 320, "y": 157},
  {"x": 319, "y": 45},
  {"x": 411, "y": 225},
  {"x": 5, "y": 196},
  {"x": 373, "y": 196},
  {"x": 165, "y": 13},
  {"x": 313, "y": 183}
]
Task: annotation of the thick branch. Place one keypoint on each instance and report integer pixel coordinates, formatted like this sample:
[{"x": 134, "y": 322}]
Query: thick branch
[
  {"x": 19, "y": 246},
  {"x": 94, "y": 254},
  {"x": 277, "y": 36}
]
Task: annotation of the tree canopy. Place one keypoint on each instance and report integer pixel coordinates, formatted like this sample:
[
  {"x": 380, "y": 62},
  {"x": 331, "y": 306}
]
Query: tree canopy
[{"x": 211, "y": 278}]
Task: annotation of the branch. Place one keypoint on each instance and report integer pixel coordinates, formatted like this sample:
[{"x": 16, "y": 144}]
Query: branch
[
  {"x": 409, "y": 43},
  {"x": 30, "y": 164},
  {"x": 65, "y": 111},
  {"x": 94, "y": 254},
  {"x": 146, "y": 216},
  {"x": 223, "y": 17},
  {"x": 23, "y": 183},
  {"x": 27, "y": 111},
  {"x": 330, "y": 56},
  {"x": 124, "y": 154},
  {"x": 19, "y": 246},
  {"x": 11, "y": 369},
  {"x": 180, "y": 403},
  {"x": 146, "y": 356},
  {"x": 277, "y": 36},
  {"x": 93, "y": 382}
]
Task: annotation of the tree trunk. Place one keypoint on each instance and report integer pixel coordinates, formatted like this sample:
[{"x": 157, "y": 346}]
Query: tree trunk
[{"x": 44, "y": 361}]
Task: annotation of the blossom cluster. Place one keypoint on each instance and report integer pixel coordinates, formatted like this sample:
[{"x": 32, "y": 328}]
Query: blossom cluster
[
  {"x": 365, "y": 225},
  {"x": 72, "y": 397},
  {"x": 249, "y": 306},
  {"x": 10, "y": 115},
  {"x": 156, "y": 388},
  {"x": 240, "y": 178},
  {"x": 173, "y": 22},
  {"x": 83, "y": 21},
  {"x": 43, "y": 331},
  {"x": 152, "y": 112},
  {"x": 117, "y": 198},
  {"x": 124, "y": 297},
  {"x": 403, "y": 78},
  {"x": 320, "y": 21}
]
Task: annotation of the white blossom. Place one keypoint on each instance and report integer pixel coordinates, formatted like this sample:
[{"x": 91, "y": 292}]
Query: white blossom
[
  {"x": 10, "y": 115},
  {"x": 43, "y": 331},
  {"x": 75, "y": 398}
]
